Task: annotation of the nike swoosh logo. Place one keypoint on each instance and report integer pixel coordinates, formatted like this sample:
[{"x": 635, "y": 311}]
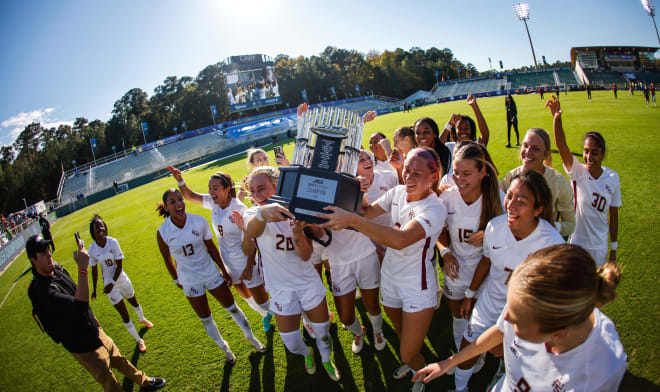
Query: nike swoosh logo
[
  {"x": 497, "y": 247},
  {"x": 450, "y": 213}
]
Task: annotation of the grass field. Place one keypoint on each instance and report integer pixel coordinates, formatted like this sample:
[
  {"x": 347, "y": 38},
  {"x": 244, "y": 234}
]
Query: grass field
[{"x": 180, "y": 351}]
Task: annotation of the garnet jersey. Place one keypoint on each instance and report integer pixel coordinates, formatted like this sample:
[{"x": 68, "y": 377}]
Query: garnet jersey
[
  {"x": 283, "y": 268},
  {"x": 412, "y": 266},
  {"x": 194, "y": 265},
  {"x": 593, "y": 199},
  {"x": 106, "y": 257},
  {"x": 598, "y": 364},
  {"x": 230, "y": 236}
]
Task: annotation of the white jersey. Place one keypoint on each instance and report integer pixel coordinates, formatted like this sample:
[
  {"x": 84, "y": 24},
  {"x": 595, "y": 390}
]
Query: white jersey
[
  {"x": 194, "y": 265},
  {"x": 106, "y": 257},
  {"x": 598, "y": 364},
  {"x": 283, "y": 268},
  {"x": 593, "y": 199},
  {"x": 230, "y": 236},
  {"x": 348, "y": 246},
  {"x": 384, "y": 166},
  {"x": 462, "y": 221},
  {"x": 451, "y": 146},
  {"x": 412, "y": 266},
  {"x": 506, "y": 253},
  {"x": 384, "y": 180}
]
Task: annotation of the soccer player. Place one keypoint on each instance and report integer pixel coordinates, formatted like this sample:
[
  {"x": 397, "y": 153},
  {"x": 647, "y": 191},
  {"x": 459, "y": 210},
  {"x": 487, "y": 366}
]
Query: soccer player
[
  {"x": 245, "y": 273},
  {"x": 187, "y": 237},
  {"x": 597, "y": 191},
  {"x": 508, "y": 240},
  {"x": 404, "y": 141},
  {"x": 105, "y": 251},
  {"x": 511, "y": 119},
  {"x": 554, "y": 335},
  {"x": 427, "y": 134},
  {"x": 408, "y": 287},
  {"x": 256, "y": 157},
  {"x": 462, "y": 128},
  {"x": 471, "y": 204},
  {"x": 536, "y": 156},
  {"x": 291, "y": 280}
]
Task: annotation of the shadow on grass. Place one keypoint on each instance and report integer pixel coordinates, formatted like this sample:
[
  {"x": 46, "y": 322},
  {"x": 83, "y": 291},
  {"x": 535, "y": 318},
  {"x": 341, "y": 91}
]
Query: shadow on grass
[
  {"x": 268, "y": 369},
  {"x": 128, "y": 384},
  {"x": 631, "y": 382}
]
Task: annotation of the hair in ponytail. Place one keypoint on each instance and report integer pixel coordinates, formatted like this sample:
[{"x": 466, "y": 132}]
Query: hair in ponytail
[
  {"x": 160, "y": 207},
  {"x": 561, "y": 285},
  {"x": 490, "y": 188},
  {"x": 226, "y": 182}
]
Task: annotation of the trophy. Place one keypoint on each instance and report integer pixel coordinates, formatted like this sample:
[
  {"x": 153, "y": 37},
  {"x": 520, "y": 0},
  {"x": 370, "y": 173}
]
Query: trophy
[{"x": 324, "y": 164}]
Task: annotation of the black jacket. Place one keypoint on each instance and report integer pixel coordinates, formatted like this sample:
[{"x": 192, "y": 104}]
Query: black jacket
[{"x": 65, "y": 319}]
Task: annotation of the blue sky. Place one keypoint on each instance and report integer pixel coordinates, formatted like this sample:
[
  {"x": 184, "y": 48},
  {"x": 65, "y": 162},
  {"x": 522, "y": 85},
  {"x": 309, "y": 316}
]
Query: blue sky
[{"x": 75, "y": 58}]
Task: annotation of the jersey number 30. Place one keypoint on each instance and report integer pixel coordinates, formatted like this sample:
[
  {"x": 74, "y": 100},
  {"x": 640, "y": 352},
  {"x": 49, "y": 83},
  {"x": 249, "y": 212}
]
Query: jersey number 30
[{"x": 599, "y": 202}]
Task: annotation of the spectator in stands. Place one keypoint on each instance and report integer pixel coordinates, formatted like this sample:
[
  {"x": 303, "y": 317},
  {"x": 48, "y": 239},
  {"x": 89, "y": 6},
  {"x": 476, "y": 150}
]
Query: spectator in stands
[
  {"x": 256, "y": 157},
  {"x": 536, "y": 156},
  {"x": 45, "y": 231},
  {"x": 511, "y": 119},
  {"x": 614, "y": 88},
  {"x": 64, "y": 312}
]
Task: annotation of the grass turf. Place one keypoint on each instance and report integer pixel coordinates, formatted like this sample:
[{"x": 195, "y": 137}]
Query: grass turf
[{"x": 180, "y": 351}]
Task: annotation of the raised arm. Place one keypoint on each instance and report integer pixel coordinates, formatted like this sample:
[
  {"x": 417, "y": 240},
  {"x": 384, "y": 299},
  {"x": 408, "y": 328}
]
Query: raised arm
[
  {"x": 481, "y": 121},
  {"x": 187, "y": 193},
  {"x": 560, "y": 136}
]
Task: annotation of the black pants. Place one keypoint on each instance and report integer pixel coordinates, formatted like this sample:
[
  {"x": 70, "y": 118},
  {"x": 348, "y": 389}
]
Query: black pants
[{"x": 508, "y": 131}]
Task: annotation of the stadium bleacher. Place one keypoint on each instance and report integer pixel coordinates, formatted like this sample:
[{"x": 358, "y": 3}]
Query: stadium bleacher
[
  {"x": 531, "y": 79},
  {"x": 567, "y": 77},
  {"x": 605, "y": 78},
  {"x": 648, "y": 77}
]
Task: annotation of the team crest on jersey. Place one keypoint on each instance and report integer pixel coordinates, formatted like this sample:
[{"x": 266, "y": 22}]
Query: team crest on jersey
[
  {"x": 195, "y": 233},
  {"x": 384, "y": 188},
  {"x": 193, "y": 290},
  {"x": 559, "y": 385},
  {"x": 411, "y": 214},
  {"x": 608, "y": 188}
]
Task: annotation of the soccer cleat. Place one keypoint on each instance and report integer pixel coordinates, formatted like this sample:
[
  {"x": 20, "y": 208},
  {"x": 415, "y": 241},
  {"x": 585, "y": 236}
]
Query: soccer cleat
[
  {"x": 266, "y": 322},
  {"x": 142, "y": 346},
  {"x": 332, "y": 370},
  {"x": 310, "y": 363},
  {"x": 379, "y": 341},
  {"x": 156, "y": 382},
  {"x": 310, "y": 330},
  {"x": 401, "y": 372},
  {"x": 479, "y": 364},
  {"x": 147, "y": 323},
  {"x": 358, "y": 342},
  {"x": 229, "y": 355},
  {"x": 418, "y": 386},
  {"x": 257, "y": 344}
]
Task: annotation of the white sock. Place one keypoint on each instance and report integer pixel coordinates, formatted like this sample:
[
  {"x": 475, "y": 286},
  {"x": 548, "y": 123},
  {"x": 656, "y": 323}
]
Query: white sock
[
  {"x": 138, "y": 311},
  {"x": 323, "y": 340},
  {"x": 459, "y": 326},
  {"x": 461, "y": 378},
  {"x": 355, "y": 327},
  {"x": 131, "y": 329},
  {"x": 376, "y": 322},
  {"x": 212, "y": 331},
  {"x": 305, "y": 318},
  {"x": 240, "y": 319},
  {"x": 253, "y": 304},
  {"x": 265, "y": 307},
  {"x": 294, "y": 343}
]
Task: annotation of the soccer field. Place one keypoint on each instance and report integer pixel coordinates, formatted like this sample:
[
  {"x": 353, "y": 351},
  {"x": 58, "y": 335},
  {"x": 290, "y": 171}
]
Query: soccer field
[{"x": 180, "y": 351}]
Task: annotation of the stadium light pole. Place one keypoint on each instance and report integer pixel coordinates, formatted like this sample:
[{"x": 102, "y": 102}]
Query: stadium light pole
[
  {"x": 522, "y": 13},
  {"x": 650, "y": 9}
]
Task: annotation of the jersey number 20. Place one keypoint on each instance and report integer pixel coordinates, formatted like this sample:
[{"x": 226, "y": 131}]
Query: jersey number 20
[{"x": 284, "y": 242}]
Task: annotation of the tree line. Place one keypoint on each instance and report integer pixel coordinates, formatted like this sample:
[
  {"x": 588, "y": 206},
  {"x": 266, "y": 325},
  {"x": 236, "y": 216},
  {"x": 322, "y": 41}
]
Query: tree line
[{"x": 31, "y": 167}]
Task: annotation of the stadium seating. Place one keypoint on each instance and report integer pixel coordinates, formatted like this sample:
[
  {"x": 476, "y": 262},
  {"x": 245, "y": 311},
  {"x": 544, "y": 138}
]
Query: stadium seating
[
  {"x": 531, "y": 79},
  {"x": 605, "y": 78},
  {"x": 367, "y": 105},
  {"x": 466, "y": 87},
  {"x": 567, "y": 77},
  {"x": 648, "y": 77}
]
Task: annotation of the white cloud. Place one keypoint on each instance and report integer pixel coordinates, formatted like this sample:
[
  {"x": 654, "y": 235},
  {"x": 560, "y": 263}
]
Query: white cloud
[{"x": 17, "y": 123}]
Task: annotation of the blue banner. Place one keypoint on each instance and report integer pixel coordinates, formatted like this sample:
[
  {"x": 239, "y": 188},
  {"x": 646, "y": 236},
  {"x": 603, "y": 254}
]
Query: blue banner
[
  {"x": 214, "y": 110},
  {"x": 332, "y": 89},
  {"x": 145, "y": 129},
  {"x": 255, "y": 103},
  {"x": 94, "y": 147}
]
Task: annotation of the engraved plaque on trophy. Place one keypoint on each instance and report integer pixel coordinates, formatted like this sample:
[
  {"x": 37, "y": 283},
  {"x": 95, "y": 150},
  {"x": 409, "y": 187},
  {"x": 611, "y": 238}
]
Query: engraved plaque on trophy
[{"x": 324, "y": 164}]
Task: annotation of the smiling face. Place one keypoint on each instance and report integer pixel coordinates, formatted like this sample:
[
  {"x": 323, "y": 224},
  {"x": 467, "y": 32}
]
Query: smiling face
[
  {"x": 376, "y": 148},
  {"x": 592, "y": 154},
  {"x": 533, "y": 152},
  {"x": 418, "y": 177},
  {"x": 218, "y": 192},
  {"x": 100, "y": 231},
  {"x": 519, "y": 205},
  {"x": 365, "y": 165},
  {"x": 175, "y": 205},
  {"x": 260, "y": 159},
  {"x": 463, "y": 130},
  {"x": 261, "y": 188},
  {"x": 424, "y": 134},
  {"x": 468, "y": 178}
]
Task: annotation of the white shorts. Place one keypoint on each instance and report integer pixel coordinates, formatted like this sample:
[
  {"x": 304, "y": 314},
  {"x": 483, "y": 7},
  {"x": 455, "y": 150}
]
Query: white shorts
[
  {"x": 123, "y": 288},
  {"x": 364, "y": 273},
  {"x": 197, "y": 290},
  {"x": 288, "y": 303},
  {"x": 455, "y": 289},
  {"x": 235, "y": 272},
  {"x": 406, "y": 298},
  {"x": 479, "y": 322},
  {"x": 599, "y": 254}
]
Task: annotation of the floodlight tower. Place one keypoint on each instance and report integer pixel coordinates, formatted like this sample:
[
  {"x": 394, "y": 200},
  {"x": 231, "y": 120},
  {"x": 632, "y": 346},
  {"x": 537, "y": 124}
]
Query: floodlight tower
[
  {"x": 650, "y": 9},
  {"x": 522, "y": 13}
]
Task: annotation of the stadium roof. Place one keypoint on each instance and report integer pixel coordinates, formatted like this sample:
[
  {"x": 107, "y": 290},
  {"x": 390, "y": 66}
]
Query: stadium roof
[{"x": 619, "y": 49}]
